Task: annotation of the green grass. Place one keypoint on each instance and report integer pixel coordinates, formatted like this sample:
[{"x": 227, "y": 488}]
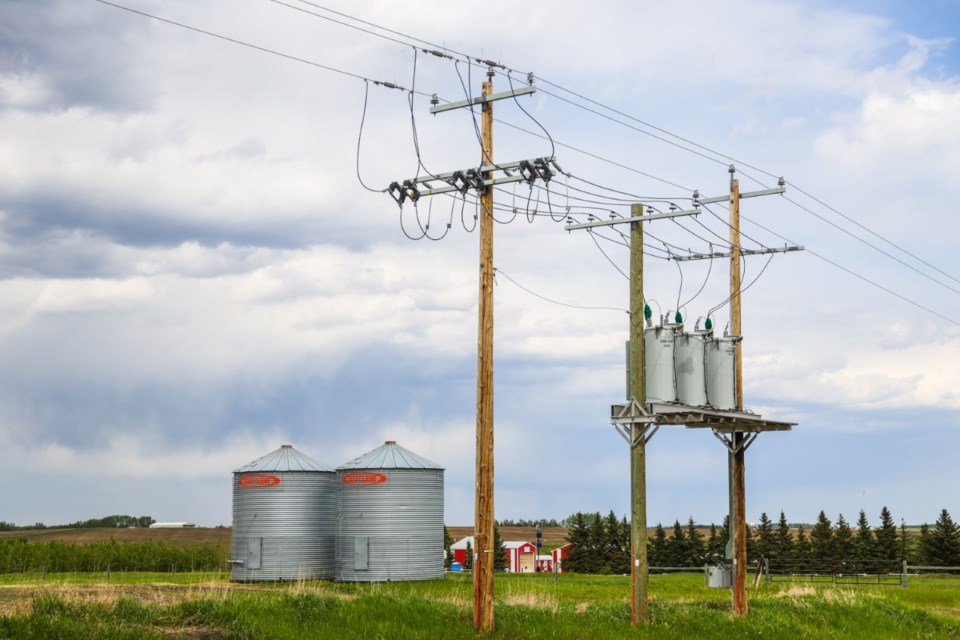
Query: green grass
[{"x": 528, "y": 606}]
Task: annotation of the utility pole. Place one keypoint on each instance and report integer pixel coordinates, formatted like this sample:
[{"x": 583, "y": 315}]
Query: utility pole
[
  {"x": 639, "y": 568},
  {"x": 633, "y": 422},
  {"x": 638, "y": 420},
  {"x": 738, "y": 489},
  {"x": 483, "y": 515},
  {"x": 481, "y": 180}
]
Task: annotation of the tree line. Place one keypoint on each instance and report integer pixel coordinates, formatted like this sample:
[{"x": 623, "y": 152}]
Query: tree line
[
  {"x": 602, "y": 544},
  {"x": 18, "y": 555},
  {"x": 114, "y": 521}
]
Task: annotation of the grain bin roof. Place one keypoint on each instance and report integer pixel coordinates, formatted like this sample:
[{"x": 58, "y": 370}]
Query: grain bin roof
[
  {"x": 390, "y": 455},
  {"x": 286, "y": 458}
]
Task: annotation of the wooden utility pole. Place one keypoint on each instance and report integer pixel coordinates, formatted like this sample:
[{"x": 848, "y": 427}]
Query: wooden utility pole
[
  {"x": 639, "y": 568},
  {"x": 483, "y": 517},
  {"x": 737, "y": 479}
]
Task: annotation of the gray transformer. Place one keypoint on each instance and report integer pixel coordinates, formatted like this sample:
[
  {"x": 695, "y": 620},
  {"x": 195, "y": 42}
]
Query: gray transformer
[
  {"x": 284, "y": 518},
  {"x": 721, "y": 373},
  {"x": 391, "y": 517}
]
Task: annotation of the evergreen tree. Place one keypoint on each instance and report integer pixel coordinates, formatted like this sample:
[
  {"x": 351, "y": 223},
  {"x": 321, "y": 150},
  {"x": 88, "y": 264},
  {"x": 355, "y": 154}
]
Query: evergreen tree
[
  {"x": 500, "y": 551},
  {"x": 616, "y": 547},
  {"x": 657, "y": 550},
  {"x": 885, "y": 556},
  {"x": 784, "y": 541},
  {"x": 715, "y": 545},
  {"x": 944, "y": 542},
  {"x": 578, "y": 535},
  {"x": 695, "y": 547},
  {"x": 468, "y": 560},
  {"x": 863, "y": 545},
  {"x": 905, "y": 541},
  {"x": 801, "y": 550},
  {"x": 766, "y": 539},
  {"x": 597, "y": 562},
  {"x": 842, "y": 546},
  {"x": 923, "y": 547},
  {"x": 751, "y": 545},
  {"x": 821, "y": 543},
  {"x": 677, "y": 546},
  {"x": 448, "y": 552}
]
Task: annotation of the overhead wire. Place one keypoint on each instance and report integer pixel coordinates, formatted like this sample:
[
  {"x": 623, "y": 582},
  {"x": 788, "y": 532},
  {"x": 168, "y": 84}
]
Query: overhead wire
[
  {"x": 704, "y": 150},
  {"x": 499, "y": 271},
  {"x": 392, "y": 85},
  {"x": 873, "y": 283},
  {"x": 382, "y": 83},
  {"x": 363, "y": 119}
]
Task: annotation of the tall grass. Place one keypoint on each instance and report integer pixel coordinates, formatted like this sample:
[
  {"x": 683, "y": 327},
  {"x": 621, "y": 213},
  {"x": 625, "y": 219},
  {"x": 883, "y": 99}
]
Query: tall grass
[{"x": 589, "y": 607}]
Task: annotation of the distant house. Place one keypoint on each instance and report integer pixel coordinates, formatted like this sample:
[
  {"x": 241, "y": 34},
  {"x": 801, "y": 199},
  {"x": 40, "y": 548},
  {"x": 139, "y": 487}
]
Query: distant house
[{"x": 172, "y": 525}]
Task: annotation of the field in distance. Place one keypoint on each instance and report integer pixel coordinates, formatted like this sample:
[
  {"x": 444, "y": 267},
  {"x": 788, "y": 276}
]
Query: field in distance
[
  {"x": 177, "y": 537},
  {"x": 552, "y": 536}
]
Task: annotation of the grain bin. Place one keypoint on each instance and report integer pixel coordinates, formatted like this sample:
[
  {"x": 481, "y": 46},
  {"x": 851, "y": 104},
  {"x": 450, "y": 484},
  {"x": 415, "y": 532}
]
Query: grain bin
[
  {"x": 689, "y": 362},
  {"x": 721, "y": 373},
  {"x": 391, "y": 517},
  {"x": 284, "y": 518},
  {"x": 658, "y": 371}
]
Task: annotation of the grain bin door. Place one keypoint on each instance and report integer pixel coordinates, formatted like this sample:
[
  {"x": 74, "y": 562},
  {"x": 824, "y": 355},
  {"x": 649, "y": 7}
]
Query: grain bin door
[
  {"x": 254, "y": 552},
  {"x": 361, "y": 553}
]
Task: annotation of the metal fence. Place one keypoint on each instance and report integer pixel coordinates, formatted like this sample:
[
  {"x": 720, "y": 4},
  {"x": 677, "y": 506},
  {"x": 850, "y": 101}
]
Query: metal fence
[{"x": 835, "y": 573}]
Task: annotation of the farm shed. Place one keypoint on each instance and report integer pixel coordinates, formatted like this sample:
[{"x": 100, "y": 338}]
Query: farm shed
[
  {"x": 560, "y": 557},
  {"x": 521, "y": 556}
]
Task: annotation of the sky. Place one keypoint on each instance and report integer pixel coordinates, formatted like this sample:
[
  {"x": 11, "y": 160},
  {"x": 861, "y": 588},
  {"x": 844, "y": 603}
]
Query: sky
[{"x": 193, "y": 273}]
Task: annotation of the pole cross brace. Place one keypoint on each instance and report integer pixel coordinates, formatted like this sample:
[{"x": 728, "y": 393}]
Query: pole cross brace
[
  {"x": 633, "y": 422},
  {"x": 728, "y": 441}
]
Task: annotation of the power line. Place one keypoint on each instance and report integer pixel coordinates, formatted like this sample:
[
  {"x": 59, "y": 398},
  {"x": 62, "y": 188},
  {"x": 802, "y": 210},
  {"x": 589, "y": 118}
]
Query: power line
[
  {"x": 381, "y": 83},
  {"x": 501, "y": 272},
  {"x": 708, "y": 150},
  {"x": 391, "y": 85},
  {"x": 857, "y": 275}
]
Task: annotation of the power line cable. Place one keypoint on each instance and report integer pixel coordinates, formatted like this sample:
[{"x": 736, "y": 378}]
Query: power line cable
[
  {"x": 857, "y": 275},
  {"x": 501, "y": 272},
  {"x": 363, "y": 119},
  {"x": 639, "y": 121},
  {"x": 609, "y": 259},
  {"x": 381, "y": 83}
]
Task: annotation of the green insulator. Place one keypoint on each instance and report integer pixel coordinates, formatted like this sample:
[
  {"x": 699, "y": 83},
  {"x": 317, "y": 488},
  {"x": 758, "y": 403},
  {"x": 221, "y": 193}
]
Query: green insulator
[
  {"x": 678, "y": 318},
  {"x": 708, "y": 324},
  {"x": 647, "y": 311}
]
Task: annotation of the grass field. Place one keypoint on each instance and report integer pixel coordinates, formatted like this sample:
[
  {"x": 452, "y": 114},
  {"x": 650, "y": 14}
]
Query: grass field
[{"x": 208, "y": 606}]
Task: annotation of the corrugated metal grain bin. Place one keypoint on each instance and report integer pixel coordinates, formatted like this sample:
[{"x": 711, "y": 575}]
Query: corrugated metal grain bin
[
  {"x": 284, "y": 518},
  {"x": 391, "y": 517}
]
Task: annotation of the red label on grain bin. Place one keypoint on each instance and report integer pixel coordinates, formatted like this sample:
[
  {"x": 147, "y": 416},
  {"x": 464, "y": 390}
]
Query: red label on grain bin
[
  {"x": 363, "y": 478},
  {"x": 255, "y": 482}
]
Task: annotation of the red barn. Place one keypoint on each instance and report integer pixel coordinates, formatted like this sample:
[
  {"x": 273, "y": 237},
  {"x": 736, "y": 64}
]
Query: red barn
[{"x": 560, "y": 557}]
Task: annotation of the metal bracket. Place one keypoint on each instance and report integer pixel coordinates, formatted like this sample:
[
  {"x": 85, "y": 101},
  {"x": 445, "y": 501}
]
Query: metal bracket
[
  {"x": 728, "y": 441},
  {"x": 637, "y": 433},
  {"x": 633, "y": 422}
]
